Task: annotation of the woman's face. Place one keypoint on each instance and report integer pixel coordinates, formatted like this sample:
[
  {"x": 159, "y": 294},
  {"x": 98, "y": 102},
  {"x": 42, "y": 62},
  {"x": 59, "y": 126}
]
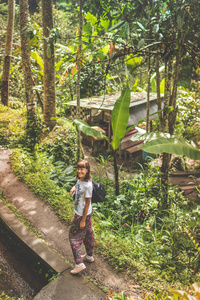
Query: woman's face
[{"x": 82, "y": 173}]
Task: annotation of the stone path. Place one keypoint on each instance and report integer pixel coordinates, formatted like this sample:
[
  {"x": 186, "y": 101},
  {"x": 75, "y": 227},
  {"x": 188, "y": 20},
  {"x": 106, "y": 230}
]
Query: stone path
[{"x": 55, "y": 233}]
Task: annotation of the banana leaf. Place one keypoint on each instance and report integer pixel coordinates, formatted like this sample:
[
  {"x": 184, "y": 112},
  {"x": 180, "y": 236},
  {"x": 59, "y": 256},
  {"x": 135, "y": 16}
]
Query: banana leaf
[
  {"x": 85, "y": 128},
  {"x": 164, "y": 143},
  {"x": 120, "y": 116}
]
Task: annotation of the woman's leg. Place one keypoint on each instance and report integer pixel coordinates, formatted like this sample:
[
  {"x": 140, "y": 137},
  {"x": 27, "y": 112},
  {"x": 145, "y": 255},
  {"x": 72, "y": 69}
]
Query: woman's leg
[
  {"x": 89, "y": 237},
  {"x": 76, "y": 237}
]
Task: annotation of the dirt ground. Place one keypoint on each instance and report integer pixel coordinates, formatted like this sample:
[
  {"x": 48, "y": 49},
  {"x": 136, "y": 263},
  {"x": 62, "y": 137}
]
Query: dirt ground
[{"x": 55, "y": 233}]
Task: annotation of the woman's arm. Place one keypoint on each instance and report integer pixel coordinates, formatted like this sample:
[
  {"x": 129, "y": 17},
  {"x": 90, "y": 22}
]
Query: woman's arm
[
  {"x": 73, "y": 191},
  {"x": 85, "y": 211}
]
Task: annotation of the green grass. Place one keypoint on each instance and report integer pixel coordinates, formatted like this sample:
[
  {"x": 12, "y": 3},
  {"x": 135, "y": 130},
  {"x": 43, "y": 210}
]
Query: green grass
[
  {"x": 3, "y": 296},
  {"x": 35, "y": 173},
  {"x": 11, "y": 126}
]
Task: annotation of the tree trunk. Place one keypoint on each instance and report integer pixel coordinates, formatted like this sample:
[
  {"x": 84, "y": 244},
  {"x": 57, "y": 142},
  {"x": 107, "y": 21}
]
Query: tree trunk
[
  {"x": 148, "y": 97},
  {"x": 157, "y": 67},
  {"x": 169, "y": 120},
  {"x": 173, "y": 113},
  {"x": 165, "y": 179},
  {"x": 26, "y": 62},
  {"x": 166, "y": 157},
  {"x": 78, "y": 79},
  {"x": 167, "y": 96},
  {"x": 49, "y": 69},
  {"x": 8, "y": 53},
  {"x": 116, "y": 173},
  {"x": 28, "y": 78},
  {"x": 158, "y": 91}
]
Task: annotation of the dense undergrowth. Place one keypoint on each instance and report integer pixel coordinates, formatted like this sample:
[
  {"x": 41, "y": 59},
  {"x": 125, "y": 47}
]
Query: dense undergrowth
[
  {"x": 154, "y": 247},
  {"x": 159, "y": 249}
]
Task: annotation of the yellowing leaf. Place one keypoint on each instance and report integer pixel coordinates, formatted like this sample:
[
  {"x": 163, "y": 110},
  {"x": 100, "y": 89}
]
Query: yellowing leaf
[
  {"x": 105, "y": 49},
  {"x": 38, "y": 59}
]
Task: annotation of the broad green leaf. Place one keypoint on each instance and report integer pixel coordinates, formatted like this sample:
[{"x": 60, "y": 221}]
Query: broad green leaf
[
  {"x": 132, "y": 60},
  {"x": 105, "y": 23},
  {"x": 58, "y": 65},
  {"x": 71, "y": 49},
  {"x": 116, "y": 26},
  {"x": 69, "y": 170},
  {"x": 38, "y": 59},
  {"x": 34, "y": 42},
  {"x": 95, "y": 33},
  {"x": 134, "y": 87},
  {"x": 141, "y": 26},
  {"x": 171, "y": 145},
  {"x": 141, "y": 43},
  {"x": 120, "y": 116},
  {"x": 105, "y": 50},
  {"x": 87, "y": 29},
  {"x": 126, "y": 30},
  {"x": 162, "y": 86},
  {"x": 153, "y": 86},
  {"x": 92, "y": 19},
  {"x": 139, "y": 89},
  {"x": 85, "y": 128},
  {"x": 100, "y": 56}
]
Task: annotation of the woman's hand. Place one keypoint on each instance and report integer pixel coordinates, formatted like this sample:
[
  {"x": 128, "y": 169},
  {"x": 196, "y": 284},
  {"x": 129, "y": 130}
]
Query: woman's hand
[
  {"x": 82, "y": 224},
  {"x": 73, "y": 191}
]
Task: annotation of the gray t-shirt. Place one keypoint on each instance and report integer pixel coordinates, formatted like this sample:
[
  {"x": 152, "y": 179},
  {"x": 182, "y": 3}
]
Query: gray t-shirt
[{"x": 83, "y": 190}]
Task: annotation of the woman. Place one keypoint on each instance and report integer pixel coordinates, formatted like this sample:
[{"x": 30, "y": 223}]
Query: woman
[{"x": 81, "y": 229}]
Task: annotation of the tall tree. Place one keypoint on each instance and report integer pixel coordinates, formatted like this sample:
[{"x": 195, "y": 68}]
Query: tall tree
[
  {"x": 25, "y": 53},
  {"x": 180, "y": 22},
  {"x": 8, "y": 52},
  {"x": 28, "y": 78},
  {"x": 49, "y": 61},
  {"x": 175, "y": 29},
  {"x": 79, "y": 78}
]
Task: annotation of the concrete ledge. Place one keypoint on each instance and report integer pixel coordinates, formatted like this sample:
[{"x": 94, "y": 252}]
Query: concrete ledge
[
  {"x": 53, "y": 259},
  {"x": 65, "y": 286}
]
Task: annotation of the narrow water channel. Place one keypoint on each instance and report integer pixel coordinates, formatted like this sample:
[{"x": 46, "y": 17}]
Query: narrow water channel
[{"x": 16, "y": 278}]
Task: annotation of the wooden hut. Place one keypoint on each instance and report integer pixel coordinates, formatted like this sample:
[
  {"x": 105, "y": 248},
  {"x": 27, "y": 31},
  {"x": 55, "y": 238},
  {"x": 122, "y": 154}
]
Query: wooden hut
[{"x": 97, "y": 112}]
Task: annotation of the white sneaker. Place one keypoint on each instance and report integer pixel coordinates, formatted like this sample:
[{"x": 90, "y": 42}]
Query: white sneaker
[
  {"x": 78, "y": 269},
  {"x": 85, "y": 258}
]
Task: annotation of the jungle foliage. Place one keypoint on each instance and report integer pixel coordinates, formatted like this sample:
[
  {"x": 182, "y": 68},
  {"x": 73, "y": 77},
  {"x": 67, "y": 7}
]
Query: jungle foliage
[{"x": 158, "y": 247}]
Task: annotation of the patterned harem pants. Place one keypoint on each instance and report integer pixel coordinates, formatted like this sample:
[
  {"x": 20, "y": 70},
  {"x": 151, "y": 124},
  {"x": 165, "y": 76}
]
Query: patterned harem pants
[{"x": 78, "y": 236}]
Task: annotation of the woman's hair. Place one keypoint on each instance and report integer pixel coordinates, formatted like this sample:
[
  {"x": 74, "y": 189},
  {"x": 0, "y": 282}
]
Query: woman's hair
[{"x": 84, "y": 164}]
